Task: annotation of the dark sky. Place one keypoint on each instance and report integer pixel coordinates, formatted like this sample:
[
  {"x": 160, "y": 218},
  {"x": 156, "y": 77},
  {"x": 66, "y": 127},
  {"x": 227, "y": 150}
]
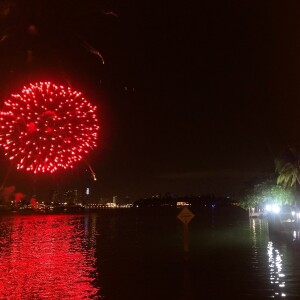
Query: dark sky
[{"x": 194, "y": 97}]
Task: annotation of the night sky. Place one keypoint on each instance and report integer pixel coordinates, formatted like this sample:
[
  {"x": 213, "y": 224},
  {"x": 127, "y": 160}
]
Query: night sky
[{"x": 194, "y": 97}]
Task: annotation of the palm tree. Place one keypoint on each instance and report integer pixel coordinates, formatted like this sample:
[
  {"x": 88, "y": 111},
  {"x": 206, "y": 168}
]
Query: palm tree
[{"x": 288, "y": 169}]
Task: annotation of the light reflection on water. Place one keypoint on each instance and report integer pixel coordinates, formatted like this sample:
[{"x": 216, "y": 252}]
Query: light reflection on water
[
  {"x": 47, "y": 257},
  {"x": 282, "y": 253},
  {"x": 276, "y": 272}
]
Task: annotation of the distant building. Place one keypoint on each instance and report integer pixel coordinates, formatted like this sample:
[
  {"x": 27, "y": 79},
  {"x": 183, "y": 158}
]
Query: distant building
[
  {"x": 76, "y": 197},
  {"x": 104, "y": 200},
  {"x": 55, "y": 196},
  {"x": 71, "y": 196}
]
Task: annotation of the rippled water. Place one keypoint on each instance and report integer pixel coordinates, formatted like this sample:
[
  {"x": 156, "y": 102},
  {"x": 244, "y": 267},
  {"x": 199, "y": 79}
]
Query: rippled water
[
  {"x": 46, "y": 257},
  {"x": 137, "y": 254}
]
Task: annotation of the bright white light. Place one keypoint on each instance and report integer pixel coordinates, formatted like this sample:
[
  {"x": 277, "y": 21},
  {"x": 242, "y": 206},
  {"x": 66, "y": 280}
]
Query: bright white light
[
  {"x": 293, "y": 213},
  {"x": 273, "y": 208}
]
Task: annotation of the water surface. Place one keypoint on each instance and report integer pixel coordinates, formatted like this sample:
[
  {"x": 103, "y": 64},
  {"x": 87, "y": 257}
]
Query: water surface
[{"x": 137, "y": 254}]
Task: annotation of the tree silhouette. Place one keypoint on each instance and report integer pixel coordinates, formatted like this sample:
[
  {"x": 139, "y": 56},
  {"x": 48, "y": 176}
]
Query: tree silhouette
[{"x": 288, "y": 168}]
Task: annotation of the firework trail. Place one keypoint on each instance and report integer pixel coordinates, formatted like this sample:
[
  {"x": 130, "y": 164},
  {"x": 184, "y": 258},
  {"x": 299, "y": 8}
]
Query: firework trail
[
  {"x": 111, "y": 13},
  {"x": 93, "y": 50},
  {"x": 93, "y": 174}
]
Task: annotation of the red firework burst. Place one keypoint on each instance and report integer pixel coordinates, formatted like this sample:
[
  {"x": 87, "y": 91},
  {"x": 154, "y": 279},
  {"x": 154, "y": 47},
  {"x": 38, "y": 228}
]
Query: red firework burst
[{"x": 47, "y": 127}]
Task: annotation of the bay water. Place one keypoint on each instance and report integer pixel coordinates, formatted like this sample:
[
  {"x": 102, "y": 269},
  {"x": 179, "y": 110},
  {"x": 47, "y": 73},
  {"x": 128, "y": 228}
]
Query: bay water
[{"x": 138, "y": 254}]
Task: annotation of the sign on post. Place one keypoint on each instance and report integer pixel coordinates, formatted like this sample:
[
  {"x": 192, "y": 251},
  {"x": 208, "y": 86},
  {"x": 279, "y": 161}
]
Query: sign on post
[{"x": 185, "y": 216}]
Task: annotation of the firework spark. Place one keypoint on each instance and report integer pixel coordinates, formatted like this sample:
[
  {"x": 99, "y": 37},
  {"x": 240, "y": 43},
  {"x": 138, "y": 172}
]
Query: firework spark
[{"x": 47, "y": 127}]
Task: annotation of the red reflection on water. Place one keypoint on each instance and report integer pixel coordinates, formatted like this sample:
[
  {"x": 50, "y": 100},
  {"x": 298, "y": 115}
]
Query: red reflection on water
[{"x": 46, "y": 257}]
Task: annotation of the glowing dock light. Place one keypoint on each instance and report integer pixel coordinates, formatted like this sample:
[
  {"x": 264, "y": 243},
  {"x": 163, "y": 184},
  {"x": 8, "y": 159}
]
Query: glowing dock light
[{"x": 273, "y": 208}]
